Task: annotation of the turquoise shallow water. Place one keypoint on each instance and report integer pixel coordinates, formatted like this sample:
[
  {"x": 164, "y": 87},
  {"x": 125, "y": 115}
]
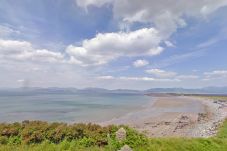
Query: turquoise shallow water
[{"x": 69, "y": 108}]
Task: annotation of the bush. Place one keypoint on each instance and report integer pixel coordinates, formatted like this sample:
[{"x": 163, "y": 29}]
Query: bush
[
  {"x": 9, "y": 130},
  {"x": 14, "y": 140},
  {"x": 3, "y": 140},
  {"x": 35, "y": 132},
  {"x": 135, "y": 139},
  {"x": 86, "y": 142}
]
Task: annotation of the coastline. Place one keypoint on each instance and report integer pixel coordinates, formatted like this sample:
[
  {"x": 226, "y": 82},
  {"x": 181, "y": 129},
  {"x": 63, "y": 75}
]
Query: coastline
[
  {"x": 176, "y": 116},
  {"x": 175, "y": 129}
]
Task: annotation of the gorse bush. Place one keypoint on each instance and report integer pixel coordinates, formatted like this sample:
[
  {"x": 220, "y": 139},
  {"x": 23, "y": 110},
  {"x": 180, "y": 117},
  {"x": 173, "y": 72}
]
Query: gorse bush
[
  {"x": 9, "y": 130},
  {"x": 34, "y": 132}
]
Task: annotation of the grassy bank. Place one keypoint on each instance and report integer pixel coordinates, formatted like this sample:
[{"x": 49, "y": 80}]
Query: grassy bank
[{"x": 41, "y": 136}]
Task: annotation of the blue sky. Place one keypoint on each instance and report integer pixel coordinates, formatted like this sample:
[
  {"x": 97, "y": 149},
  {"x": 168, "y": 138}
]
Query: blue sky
[{"x": 113, "y": 43}]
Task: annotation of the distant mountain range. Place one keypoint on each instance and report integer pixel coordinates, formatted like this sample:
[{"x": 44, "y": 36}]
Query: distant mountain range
[
  {"x": 212, "y": 90},
  {"x": 55, "y": 90}
]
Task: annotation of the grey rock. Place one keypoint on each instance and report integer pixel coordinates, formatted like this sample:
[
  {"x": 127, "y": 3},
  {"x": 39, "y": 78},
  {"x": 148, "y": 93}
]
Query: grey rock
[
  {"x": 125, "y": 148},
  {"x": 121, "y": 134}
]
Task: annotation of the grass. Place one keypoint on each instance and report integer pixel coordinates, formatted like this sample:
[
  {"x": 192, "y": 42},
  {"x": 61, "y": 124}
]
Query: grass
[
  {"x": 210, "y": 97},
  {"x": 222, "y": 98},
  {"x": 156, "y": 144},
  {"x": 134, "y": 140},
  {"x": 222, "y": 133}
]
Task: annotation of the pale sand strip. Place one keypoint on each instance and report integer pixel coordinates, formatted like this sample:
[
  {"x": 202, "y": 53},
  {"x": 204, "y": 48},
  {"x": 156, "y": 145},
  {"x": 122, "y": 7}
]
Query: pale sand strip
[{"x": 176, "y": 116}]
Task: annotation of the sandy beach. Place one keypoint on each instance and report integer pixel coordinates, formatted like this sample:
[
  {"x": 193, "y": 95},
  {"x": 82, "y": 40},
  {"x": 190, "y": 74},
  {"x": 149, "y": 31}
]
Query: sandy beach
[{"x": 176, "y": 116}]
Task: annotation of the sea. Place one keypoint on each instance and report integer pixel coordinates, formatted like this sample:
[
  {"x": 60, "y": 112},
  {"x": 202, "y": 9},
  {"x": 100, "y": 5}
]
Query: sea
[{"x": 70, "y": 108}]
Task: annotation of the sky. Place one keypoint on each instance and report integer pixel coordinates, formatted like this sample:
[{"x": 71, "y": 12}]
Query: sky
[{"x": 113, "y": 44}]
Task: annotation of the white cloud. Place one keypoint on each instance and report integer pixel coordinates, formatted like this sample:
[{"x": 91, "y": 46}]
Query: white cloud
[
  {"x": 131, "y": 78},
  {"x": 6, "y": 31},
  {"x": 86, "y": 3},
  {"x": 169, "y": 44},
  {"x": 164, "y": 17},
  {"x": 216, "y": 74},
  {"x": 149, "y": 79},
  {"x": 14, "y": 47},
  {"x": 187, "y": 77},
  {"x": 140, "y": 63},
  {"x": 109, "y": 46},
  {"x": 167, "y": 16},
  {"x": 20, "y": 80},
  {"x": 161, "y": 73},
  {"x": 23, "y": 51},
  {"x": 106, "y": 77},
  {"x": 42, "y": 55}
]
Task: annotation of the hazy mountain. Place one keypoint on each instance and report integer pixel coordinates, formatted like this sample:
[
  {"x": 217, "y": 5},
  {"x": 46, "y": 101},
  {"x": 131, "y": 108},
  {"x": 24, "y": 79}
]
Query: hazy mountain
[
  {"x": 56, "y": 90},
  {"x": 212, "y": 90}
]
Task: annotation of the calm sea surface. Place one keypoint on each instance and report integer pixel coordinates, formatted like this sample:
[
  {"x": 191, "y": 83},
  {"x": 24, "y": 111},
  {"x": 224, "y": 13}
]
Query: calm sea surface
[{"x": 69, "y": 108}]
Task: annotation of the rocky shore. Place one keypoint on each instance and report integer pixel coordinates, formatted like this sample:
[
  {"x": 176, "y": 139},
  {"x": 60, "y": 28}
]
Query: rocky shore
[
  {"x": 218, "y": 113},
  {"x": 177, "y": 116}
]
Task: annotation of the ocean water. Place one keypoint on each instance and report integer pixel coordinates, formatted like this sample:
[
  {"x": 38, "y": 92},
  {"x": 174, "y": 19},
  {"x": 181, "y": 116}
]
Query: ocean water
[{"x": 70, "y": 108}]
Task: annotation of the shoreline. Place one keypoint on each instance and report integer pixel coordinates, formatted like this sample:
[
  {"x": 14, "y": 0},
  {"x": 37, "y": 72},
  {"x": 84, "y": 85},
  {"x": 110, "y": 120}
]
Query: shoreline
[
  {"x": 176, "y": 116},
  {"x": 209, "y": 127}
]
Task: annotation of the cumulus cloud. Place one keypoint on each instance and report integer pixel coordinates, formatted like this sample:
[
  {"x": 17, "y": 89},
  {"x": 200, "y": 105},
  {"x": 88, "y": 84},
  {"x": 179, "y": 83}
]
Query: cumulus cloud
[
  {"x": 167, "y": 16},
  {"x": 140, "y": 63},
  {"x": 164, "y": 17},
  {"x": 109, "y": 46},
  {"x": 161, "y": 73},
  {"x": 23, "y": 50},
  {"x": 14, "y": 47}
]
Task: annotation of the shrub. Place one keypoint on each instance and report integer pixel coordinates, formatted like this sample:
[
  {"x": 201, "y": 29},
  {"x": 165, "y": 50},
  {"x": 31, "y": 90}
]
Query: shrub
[
  {"x": 34, "y": 132},
  {"x": 10, "y": 129},
  {"x": 86, "y": 142},
  {"x": 14, "y": 140},
  {"x": 135, "y": 139},
  {"x": 3, "y": 140}
]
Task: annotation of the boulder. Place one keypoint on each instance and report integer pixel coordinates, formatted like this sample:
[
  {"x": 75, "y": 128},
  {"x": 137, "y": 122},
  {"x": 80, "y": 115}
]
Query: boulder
[
  {"x": 121, "y": 134},
  {"x": 125, "y": 148}
]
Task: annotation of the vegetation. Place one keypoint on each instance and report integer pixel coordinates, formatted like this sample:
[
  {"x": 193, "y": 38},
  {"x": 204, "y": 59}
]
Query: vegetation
[
  {"x": 222, "y": 133},
  {"x": 210, "y": 97},
  {"x": 41, "y": 136},
  {"x": 29, "y": 134}
]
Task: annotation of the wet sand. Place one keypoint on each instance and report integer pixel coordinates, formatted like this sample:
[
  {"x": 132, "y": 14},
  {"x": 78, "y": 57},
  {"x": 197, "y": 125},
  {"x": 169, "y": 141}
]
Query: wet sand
[{"x": 176, "y": 116}]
